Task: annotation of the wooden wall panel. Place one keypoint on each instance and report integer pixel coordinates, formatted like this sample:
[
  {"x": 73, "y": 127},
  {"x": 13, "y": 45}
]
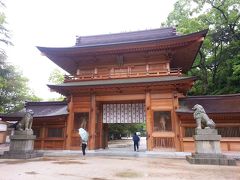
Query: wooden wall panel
[
  {"x": 37, "y": 144},
  {"x": 45, "y": 142},
  {"x": 188, "y": 146},
  {"x": 77, "y": 99},
  {"x": 76, "y": 141},
  {"x": 81, "y": 103},
  {"x": 224, "y": 146},
  {"x": 234, "y": 146},
  {"x": 54, "y": 144},
  {"x": 161, "y": 104},
  {"x": 161, "y": 96}
]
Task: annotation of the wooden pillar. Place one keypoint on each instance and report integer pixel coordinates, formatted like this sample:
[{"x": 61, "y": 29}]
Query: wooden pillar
[
  {"x": 106, "y": 134},
  {"x": 65, "y": 135},
  {"x": 175, "y": 121},
  {"x": 149, "y": 123},
  {"x": 92, "y": 130},
  {"x": 43, "y": 135},
  {"x": 100, "y": 127},
  {"x": 181, "y": 135},
  {"x": 70, "y": 120}
]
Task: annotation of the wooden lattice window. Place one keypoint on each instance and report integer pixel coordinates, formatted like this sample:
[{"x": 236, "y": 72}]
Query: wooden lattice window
[
  {"x": 37, "y": 132},
  {"x": 223, "y": 131},
  {"x": 229, "y": 131},
  {"x": 189, "y": 132},
  {"x": 55, "y": 132}
]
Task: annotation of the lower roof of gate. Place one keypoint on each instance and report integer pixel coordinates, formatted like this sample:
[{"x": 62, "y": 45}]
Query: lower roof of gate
[{"x": 123, "y": 81}]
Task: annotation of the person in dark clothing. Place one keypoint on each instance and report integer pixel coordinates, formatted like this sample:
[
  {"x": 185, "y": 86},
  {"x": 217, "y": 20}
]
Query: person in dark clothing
[
  {"x": 84, "y": 146},
  {"x": 136, "y": 140}
]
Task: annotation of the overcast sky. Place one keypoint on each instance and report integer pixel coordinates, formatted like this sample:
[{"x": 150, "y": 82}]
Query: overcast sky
[{"x": 55, "y": 23}]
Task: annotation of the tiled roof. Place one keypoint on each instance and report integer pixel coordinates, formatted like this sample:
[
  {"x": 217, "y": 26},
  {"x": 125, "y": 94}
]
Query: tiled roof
[
  {"x": 41, "y": 109},
  {"x": 126, "y": 37},
  {"x": 211, "y": 104},
  {"x": 123, "y": 81},
  {"x": 185, "y": 47}
]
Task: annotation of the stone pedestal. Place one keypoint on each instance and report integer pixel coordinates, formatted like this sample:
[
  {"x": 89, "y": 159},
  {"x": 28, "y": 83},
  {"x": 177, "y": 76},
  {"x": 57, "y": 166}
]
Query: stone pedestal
[
  {"x": 21, "y": 146},
  {"x": 208, "y": 150}
]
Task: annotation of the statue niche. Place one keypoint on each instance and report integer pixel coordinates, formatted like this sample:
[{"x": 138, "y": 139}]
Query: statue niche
[
  {"x": 202, "y": 118},
  {"x": 26, "y": 122}
]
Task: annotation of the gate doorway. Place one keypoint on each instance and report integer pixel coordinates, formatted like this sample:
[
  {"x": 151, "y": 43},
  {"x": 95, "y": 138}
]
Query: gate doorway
[
  {"x": 120, "y": 136},
  {"x": 122, "y": 120}
]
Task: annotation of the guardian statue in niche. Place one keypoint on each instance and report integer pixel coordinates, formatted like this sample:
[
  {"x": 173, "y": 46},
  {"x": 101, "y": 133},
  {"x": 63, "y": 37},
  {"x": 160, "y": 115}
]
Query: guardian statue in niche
[
  {"x": 202, "y": 118},
  {"x": 162, "y": 123}
]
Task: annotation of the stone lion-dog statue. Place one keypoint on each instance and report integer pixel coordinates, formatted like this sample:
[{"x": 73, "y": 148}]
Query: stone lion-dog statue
[
  {"x": 202, "y": 118},
  {"x": 26, "y": 122}
]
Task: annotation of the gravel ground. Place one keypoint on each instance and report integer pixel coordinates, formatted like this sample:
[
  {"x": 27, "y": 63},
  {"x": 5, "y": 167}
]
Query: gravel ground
[{"x": 111, "y": 168}]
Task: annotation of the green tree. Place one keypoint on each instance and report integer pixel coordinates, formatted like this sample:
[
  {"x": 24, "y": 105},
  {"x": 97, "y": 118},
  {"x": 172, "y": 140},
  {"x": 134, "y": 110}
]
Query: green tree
[
  {"x": 14, "y": 89},
  {"x": 126, "y": 129},
  {"x": 217, "y": 64},
  {"x": 56, "y": 77}
]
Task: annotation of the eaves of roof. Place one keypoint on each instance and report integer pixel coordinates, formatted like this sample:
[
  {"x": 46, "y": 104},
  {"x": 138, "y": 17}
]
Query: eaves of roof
[
  {"x": 74, "y": 48},
  {"x": 131, "y": 81}
]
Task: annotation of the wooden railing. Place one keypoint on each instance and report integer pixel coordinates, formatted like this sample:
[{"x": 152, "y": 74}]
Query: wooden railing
[
  {"x": 121, "y": 73},
  {"x": 163, "y": 140}
]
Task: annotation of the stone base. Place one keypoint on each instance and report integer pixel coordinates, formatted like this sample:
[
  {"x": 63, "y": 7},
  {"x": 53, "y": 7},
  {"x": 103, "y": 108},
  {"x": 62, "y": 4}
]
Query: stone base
[
  {"x": 211, "y": 159},
  {"x": 207, "y": 141},
  {"x": 21, "y": 146},
  {"x": 20, "y": 155}
]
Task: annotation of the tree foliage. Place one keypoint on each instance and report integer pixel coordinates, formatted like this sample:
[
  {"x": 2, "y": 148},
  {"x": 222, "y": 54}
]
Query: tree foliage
[
  {"x": 218, "y": 62},
  {"x": 14, "y": 89},
  {"x": 126, "y": 129},
  {"x": 56, "y": 77}
]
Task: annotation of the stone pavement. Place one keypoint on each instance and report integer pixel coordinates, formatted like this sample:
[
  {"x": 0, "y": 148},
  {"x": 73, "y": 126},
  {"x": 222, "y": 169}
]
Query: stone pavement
[
  {"x": 120, "y": 148},
  {"x": 112, "y": 168}
]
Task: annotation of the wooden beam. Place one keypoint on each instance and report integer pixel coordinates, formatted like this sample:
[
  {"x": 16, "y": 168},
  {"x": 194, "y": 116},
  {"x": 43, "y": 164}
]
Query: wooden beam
[
  {"x": 149, "y": 123},
  {"x": 130, "y": 97},
  {"x": 70, "y": 120},
  {"x": 92, "y": 130},
  {"x": 164, "y": 134}
]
